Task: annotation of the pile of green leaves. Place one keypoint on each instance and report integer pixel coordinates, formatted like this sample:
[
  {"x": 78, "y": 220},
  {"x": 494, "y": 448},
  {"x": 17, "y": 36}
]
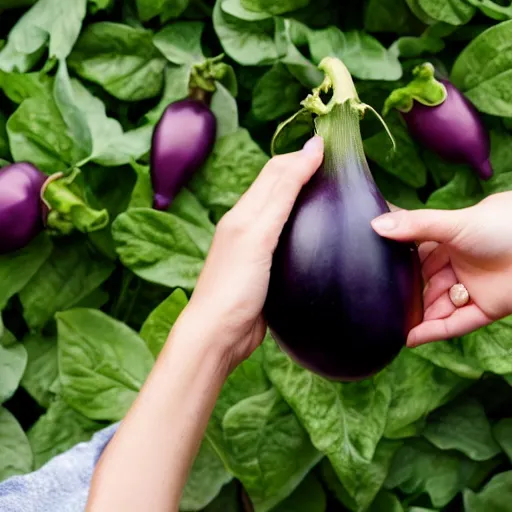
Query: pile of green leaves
[{"x": 82, "y": 84}]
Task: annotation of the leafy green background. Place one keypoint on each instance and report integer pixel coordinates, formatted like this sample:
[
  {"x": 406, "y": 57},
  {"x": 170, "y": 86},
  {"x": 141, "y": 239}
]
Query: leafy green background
[{"x": 83, "y": 318}]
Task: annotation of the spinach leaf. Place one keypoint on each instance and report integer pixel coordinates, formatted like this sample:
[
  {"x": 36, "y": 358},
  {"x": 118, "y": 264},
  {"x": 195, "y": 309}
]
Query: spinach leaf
[
  {"x": 15, "y": 453},
  {"x": 274, "y": 8},
  {"x": 18, "y": 268},
  {"x": 247, "y": 42},
  {"x": 180, "y": 42},
  {"x": 159, "y": 323},
  {"x": 494, "y": 497},
  {"x": 165, "y": 248},
  {"x": 455, "y": 12},
  {"x": 58, "y": 430},
  {"x": 48, "y": 22},
  {"x": 235, "y": 162},
  {"x": 42, "y": 367},
  {"x": 363, "y": 54},
  {"x": 462, "y": 426},
  {"x": 13, "y": 360},
  {"x": 122, "y": 59},
  {"x": 320, "y": 403},
  {"x": 68, "y": 275},
  {"x": 102, "y": 363},
  {"x": 488, "y": 87}
]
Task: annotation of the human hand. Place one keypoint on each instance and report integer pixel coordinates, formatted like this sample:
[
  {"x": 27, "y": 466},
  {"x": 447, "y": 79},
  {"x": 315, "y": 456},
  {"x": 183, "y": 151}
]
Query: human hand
[
  {"x": 231, "y": 290},
  {"x": 472, "y": 246}
]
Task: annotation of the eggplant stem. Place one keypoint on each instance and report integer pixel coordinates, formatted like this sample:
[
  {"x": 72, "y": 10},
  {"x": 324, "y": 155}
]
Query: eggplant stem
[
  {"x": 343, "y": 87},
  {"x": 388, "y": 131}
]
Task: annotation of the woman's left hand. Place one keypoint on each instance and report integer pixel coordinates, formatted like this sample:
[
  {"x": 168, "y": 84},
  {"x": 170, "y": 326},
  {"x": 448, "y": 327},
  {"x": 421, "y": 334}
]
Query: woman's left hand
[{"x": 231, "y": 290}]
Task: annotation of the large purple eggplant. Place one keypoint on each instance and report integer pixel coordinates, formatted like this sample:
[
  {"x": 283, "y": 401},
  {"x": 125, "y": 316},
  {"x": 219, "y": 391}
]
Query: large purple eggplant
[
  {"x": 182, "y": 140},
  {"x": 21, "y": 209},
  {"x": 443, "y": 120},
  {"x": 341, "y": 299}
]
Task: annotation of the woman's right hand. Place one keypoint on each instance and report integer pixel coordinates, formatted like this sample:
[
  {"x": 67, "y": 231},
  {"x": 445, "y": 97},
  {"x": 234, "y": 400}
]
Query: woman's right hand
[{"x": 472, "y": 246}]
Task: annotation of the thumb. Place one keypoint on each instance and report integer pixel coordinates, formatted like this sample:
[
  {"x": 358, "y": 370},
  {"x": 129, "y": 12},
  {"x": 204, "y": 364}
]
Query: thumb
[{"x": 419, "y": 225}]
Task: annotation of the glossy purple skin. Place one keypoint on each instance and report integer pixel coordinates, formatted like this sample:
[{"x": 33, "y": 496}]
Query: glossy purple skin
[
  {"x": 342, "y": 299},
  {"x": 182, "y": 140},
  {"x": 21, "y": 210},
  {"x": 453, "y": 130}
]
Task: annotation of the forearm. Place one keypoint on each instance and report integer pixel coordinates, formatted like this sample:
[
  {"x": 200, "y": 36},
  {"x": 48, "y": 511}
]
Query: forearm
[{"x": 146, "y": 464}]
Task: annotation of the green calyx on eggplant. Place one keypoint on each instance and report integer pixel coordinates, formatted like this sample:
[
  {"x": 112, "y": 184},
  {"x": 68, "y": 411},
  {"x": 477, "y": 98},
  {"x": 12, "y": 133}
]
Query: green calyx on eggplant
[
  {"x": 31, "y": 202},
  {"x": 443, "y": 120},
  {"x": 341, "y": 299}
]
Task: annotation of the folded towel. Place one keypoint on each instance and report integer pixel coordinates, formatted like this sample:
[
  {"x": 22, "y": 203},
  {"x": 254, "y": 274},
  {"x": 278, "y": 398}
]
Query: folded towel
[{"x": 61, "y": 485}]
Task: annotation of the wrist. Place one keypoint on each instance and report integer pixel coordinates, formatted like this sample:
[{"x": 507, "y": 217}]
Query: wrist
[{"x": 199, "y": 338}]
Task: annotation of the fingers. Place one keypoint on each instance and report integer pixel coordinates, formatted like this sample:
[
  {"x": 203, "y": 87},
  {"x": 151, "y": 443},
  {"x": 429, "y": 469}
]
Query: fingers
[
  {"x": 420, "y": 225},
  {"x": 462, "y": 321},
  {"x": 286, "y": 173},
  {"x": 437, "y": 285},
  {"x": 267, "y": 204}
]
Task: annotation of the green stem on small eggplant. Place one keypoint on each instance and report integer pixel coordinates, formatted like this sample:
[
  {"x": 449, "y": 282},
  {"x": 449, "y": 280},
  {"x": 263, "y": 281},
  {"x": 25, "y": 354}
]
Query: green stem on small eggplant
[{"x": 423, "y": 88}]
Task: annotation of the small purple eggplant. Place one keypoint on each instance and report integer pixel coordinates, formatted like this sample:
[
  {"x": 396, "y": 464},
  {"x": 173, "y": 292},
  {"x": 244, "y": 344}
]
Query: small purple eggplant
[
  {"x": 21, "y": 210},
  {"x": 182, "y": 140},
  {"x": 443, "y": 120},
  {"x": 341, "y": 298}
]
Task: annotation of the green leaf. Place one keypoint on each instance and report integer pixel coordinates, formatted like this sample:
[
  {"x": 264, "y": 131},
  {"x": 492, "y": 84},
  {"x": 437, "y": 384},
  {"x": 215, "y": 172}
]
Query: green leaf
[
  {"x": 395, "y": 190},
  {"x": 488, "y": 87},
  {"x": 235, "y": 9},
  {"x": 258, "y": 437},
  {"x": 13, "y": 360},
  {"x": 320, "y": 403},
  {"x": 462, "y": 191},
  {"x": 493, "y": 9},
  {"x": 148, "y": 9},
  {"x": 58, "y": 430},
  {"x": 122, "y": 59},
  {"x": 227, "y": 500},
  {"x": 450, "y": 355},
  {"x": 386, "y": 502},
  {"x": 419, "y": 387},
  {"x": 225, "y": 109},
  {"x": 502, "y": 432},
  {"x": 462, "y": 426},
  {"x": 18, "y": 268},
  {"x": 455, "y": 12},
  {"x": 501, "y": 158},
  {"x": 205, "y": 480},
  {"x": 165, "y": 248},
  {"x": 247, "y": 42},
  {"x": 176, "y": 88},
  {"x": 405, "y": 163},
  {"x": 102, "y": 363},
  {"x": 389, "y": 16},
  {"x": 410, "y": 47},
  {"x": 276, "y": 93},
  {"x": 233, "y": 165},
  {"x": 371, "y": 477},
  {"x": 491, "y": 346},
  {"x": 21, "y": 86},
  {"x": 15, "y": 452},
  {"x": 48, "y": 22},
  {"x": 309, "y": 496},
  {"x": 38, "y": 134},
  {"x": 496, "y": 495},
  {"x": 419, "y": 467},
  {"x": 70, "y": 273},
  {"x": 4, "y": 141},
  {"x": 363, "y": 55},
  {"x": 268, "y": 449},
  {"x": 180, "y": 42},
  {"x": 159, "y": 323},
  {"x": 42, "y": 367},
  {"x": 274, "y": 8}
]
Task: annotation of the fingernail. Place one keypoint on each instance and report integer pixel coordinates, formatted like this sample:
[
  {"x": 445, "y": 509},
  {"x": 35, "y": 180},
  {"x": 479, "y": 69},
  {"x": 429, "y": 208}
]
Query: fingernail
[
  {"x": 314, "y": 145},
  {"x": 384, "y": 223}
]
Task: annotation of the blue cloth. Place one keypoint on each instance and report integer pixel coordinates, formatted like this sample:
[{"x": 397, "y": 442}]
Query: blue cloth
[{"x": 61, "y": 485}]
